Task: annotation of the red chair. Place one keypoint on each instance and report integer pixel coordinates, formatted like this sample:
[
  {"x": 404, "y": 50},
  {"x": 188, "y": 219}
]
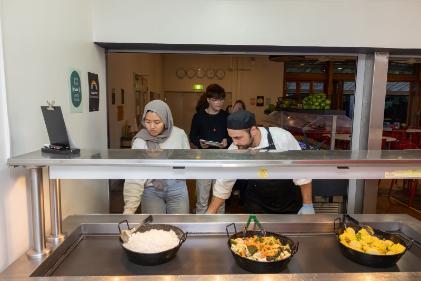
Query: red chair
[
  {"x": 412, "y": 192},
  {"x": 410, "y": 184},
  {"x": 399, "y": 134},
  {"x": 416, "y": 139},
  {"x": 403, "y": 144},
  {"x": 384, "y": 144}
]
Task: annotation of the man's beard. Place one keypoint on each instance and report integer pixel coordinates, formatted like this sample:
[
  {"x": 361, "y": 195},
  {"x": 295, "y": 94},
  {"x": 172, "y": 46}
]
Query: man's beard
[{"x": 246, "y": 146}]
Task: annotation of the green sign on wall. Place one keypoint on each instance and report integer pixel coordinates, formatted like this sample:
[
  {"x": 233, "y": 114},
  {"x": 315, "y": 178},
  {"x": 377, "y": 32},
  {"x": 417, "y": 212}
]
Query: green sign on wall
[{"x": 75, "y": 92}]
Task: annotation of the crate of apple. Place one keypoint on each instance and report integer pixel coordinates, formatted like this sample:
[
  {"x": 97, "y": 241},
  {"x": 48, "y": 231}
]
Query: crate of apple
[{"x": 316, "y": 101}]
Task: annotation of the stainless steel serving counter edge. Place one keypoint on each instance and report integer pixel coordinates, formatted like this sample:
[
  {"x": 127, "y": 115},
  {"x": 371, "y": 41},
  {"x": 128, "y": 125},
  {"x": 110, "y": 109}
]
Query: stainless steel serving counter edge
[
  {"x": 23, "y": 267},
  {"x": 244, "y": 277},
  {"x": 217, "y": 158}
]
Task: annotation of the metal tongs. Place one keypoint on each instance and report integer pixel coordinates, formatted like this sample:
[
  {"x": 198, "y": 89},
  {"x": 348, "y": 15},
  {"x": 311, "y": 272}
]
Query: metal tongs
[
  {"x": 368, "y": 228},
  {"x": 256, "y": 223},
  {"x": 245, "y": 229},
  {"x": 125, "y": 234}
]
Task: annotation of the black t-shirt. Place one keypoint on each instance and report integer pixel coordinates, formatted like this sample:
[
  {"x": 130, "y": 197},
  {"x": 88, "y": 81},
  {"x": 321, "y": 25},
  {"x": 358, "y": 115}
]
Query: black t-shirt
[{"x": 211, "y": 127}]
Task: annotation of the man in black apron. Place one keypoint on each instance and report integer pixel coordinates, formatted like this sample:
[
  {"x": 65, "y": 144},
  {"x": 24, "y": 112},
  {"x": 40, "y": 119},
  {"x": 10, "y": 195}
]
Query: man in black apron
[{"x": 264, "y": 196}]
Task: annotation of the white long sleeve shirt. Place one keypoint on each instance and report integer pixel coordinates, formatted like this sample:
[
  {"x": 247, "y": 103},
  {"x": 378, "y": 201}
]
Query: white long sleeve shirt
[
  {"x": 133, "y": 189},
  {"x": 283, "y": 141}
]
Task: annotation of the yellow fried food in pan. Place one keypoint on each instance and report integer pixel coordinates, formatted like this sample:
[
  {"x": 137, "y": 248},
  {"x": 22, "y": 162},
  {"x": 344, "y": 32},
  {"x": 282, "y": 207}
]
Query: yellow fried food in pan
[{"x": 363, "y": 242}]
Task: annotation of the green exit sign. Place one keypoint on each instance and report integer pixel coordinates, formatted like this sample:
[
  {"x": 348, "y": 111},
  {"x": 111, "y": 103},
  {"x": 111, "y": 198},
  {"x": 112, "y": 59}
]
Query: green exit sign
[{"x": 198, "y": 87}]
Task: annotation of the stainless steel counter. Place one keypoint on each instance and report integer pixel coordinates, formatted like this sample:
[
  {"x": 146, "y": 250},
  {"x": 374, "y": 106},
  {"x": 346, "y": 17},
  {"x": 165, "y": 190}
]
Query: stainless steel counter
[
  {"x": 214, "y": 158},
  {"x": 92, "y": 249},
  {"x": 201, "y": 164},
  {"x": 399, "y": 276},
  {"x": 206, "y": 163}
]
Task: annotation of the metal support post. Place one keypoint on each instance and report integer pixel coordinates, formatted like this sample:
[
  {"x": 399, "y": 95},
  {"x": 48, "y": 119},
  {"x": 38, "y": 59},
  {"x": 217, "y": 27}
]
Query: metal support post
[
  {"x": 34, "y": 175},
  {"x": 367, "y": 126},
  {"x": 375, "y": 132},
  {"x": 56, "y": 235},
  {"x": 333, "y": 132}
]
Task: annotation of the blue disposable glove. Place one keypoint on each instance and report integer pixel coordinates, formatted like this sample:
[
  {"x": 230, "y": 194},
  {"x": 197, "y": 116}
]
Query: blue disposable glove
[{"x": 306, "y": 209}]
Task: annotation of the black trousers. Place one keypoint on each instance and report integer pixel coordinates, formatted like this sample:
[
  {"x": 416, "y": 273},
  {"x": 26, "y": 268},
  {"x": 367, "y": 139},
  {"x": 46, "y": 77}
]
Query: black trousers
[{"x": 272, "y": 197}]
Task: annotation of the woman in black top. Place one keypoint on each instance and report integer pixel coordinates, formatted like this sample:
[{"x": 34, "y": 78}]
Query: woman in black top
[{"x": 209, "y": 124}]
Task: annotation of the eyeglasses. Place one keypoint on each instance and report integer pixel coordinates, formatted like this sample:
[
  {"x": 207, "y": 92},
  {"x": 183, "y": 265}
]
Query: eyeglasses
[
  {"x": 154, "y": 122},
  {"x": 217, "y": 100}
]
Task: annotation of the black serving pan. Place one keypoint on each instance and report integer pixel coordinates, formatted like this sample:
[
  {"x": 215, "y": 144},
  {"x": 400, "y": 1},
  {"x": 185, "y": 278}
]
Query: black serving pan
[
  {"x": 155, "y": 258},
  {"x": 257, "y": 266},
  {"x": 363, "y": 258}
]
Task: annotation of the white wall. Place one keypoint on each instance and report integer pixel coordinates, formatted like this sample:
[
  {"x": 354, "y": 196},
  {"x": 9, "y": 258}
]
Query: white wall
[
  {"x": 265, "y": 78},
  {"x": 179, "y": 93},
  {"x": 172, "y": 62},
  {"x": 11, "y": 197},
  {"x": 42, "y": 41},
  {"x": 346, "y": 23},
  {"x": 246, "y": 77}
]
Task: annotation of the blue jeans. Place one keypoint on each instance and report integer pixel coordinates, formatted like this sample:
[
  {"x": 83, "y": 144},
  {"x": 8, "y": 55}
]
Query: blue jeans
[
  {"x": 203, "y": 191},
  {"x": 173, "y": 198}
]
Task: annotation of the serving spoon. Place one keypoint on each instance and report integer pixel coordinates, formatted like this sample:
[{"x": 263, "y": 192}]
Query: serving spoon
[{"x": 125, "y": 234}]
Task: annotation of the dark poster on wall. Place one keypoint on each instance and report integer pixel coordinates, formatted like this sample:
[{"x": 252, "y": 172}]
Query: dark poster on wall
[
  {"x": 260, "y": 100},
  {"x": 93, "y": 91}
]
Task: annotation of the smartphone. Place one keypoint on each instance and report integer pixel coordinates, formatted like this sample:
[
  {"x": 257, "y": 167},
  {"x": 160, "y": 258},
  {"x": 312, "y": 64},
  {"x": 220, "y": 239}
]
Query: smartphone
[{"x": 211, "y": 143}]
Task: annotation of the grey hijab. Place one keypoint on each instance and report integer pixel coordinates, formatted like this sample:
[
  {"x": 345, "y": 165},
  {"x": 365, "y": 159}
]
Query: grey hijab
[{"x": 162, "y": 109}]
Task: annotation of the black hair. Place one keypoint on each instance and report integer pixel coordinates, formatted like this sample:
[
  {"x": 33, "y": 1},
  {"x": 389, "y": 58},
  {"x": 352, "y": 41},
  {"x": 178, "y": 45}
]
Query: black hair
[
  {"x": 202, "y": 103},
  {"x": 212, "y": 91},
  {"x": 242, "y": 104},
  {"x": 215, "y": 91}
]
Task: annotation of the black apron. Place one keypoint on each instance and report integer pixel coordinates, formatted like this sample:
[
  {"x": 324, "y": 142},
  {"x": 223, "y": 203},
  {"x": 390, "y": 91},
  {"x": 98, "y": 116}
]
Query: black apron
[{"x": 272, "y": 196}]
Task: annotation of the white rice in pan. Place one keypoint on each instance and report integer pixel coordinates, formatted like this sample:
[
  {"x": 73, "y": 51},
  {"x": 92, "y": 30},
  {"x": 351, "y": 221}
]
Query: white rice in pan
[{"x": 152, "y": 241}]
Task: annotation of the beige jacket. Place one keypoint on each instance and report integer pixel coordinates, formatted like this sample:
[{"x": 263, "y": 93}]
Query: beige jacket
[{"x": 133, "y": 189}]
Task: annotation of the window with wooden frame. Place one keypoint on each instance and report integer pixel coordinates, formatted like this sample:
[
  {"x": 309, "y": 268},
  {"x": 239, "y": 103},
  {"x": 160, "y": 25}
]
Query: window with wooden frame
[
  {"x": 336, "y": 78},
  {"x": 402, "y": 103},
  {"x": 304, "y": 78},
  {"x": 295, "y": 89}
]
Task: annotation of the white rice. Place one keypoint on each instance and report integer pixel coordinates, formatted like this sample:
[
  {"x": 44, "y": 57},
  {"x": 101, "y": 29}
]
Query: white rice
[{"x": 152, "y": 241}]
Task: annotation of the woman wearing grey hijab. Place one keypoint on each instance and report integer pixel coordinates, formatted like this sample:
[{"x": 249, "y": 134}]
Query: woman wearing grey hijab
[{"x": 157, "y": 196}]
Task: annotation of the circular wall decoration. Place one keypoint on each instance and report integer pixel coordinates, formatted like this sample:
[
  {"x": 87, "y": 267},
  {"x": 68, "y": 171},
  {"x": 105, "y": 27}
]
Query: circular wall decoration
[
  {"x": 210, "y": 73},
  {"x": 191, "y": 73},
  {"x": 200, "y": 73},
  {"x": 220, "y": 74},
  {"x": 180, "y": 73}
]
